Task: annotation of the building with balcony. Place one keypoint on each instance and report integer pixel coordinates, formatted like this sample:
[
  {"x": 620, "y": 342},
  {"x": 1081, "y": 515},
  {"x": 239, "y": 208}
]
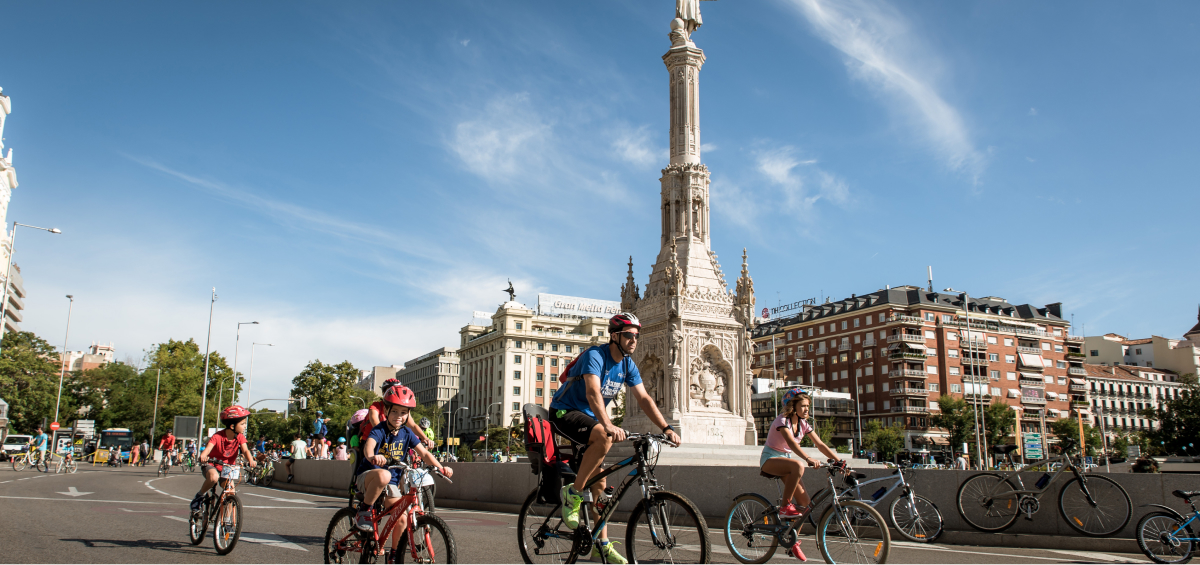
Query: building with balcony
[
  {"x": 826, "y": 405},
  {"x": 1118, "y": 394},
  {"x": 517, "y": 360},
  {"x": 433, "y": 377},
  {"x": 1181, "y": 356},
  {"x": 8, "y": 181},
  {"x": 897, "y": 350},
  {"x": 97, "y": 355}
]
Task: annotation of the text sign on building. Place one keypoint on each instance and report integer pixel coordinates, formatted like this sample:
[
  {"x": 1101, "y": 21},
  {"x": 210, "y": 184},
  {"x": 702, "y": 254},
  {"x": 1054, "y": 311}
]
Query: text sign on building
[
  {"x": 793, "y": 306},
  {"x": 556, "y": 305}
]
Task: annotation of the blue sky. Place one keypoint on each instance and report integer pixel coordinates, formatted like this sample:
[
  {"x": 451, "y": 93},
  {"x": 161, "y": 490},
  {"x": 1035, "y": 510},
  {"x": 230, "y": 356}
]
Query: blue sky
[{"x": 360, "y": 177}]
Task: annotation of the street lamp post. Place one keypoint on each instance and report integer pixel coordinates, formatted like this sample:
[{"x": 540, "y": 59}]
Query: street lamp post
[
  {"x": 12, "y": 245},
  {"x": 154, "y": 421},
  {"x": 487, "y": 419},
  {"x": 359, "y": 399},
  {"x": 450, "y": 424},
  {"x": 969, "y": 352},
  {"x": 235, "y": 352},
  {"x": 250, "y": 380},
  {"x": 63, "y": 367},
  {"x": 204, "y": 390}
]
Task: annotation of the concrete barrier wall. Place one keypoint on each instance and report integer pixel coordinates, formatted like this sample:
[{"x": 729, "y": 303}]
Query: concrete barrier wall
[{"x": 505, "y": 486}]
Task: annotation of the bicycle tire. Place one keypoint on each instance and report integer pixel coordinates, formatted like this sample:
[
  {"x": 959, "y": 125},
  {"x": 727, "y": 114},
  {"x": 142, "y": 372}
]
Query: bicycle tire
[
  {"x": 530, "y": 523},
  {"x": 42, "y": 464},
  {"x": 226, "y": 534},
  {"x": 1078, "y": 516},
  {"x": 198, "y": 524},
  {"x": 267, "y": 479},
  {"x": 835, "y": 526},
  {"x": 1005, "y": 513},
  {"x": 341, "y": 526},
  {"x": 922, "y": 523},
  {"x": 429, "y": 530},
  {"x": 679, "y": 515},
  {"x": 741, "y": 514},
  {"x": 20, "y": 462},
  {"x": 72, "y": 466},
  {"x": 1156, "y": 540},
  {"x": 427, "y": 503}
]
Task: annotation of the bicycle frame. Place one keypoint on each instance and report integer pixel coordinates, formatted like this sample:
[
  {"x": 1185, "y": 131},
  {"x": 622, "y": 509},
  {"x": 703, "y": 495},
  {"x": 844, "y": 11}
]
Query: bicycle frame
[
  {"x": 898, "y": 481},
  {"x": 1066, "y": 464},
  {"x": 781, "y": 531},
  {"x": 407, "y": 509},
  {"x": 1183, "y": 528}
]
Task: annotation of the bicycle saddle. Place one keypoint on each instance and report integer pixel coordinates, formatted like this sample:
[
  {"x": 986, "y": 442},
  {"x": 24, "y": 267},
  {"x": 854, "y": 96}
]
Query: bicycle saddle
[
  {"x": 1003, "y": 449},
  {"x": 1186, "y": 494},
  {"x": 767, "y": 475}
]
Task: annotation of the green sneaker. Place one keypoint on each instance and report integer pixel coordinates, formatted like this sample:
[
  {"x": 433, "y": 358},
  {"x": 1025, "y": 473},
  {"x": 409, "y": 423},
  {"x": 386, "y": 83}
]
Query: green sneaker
[
  {"x": 570, "y": 504},
  {"x": 609, "y": 551}
]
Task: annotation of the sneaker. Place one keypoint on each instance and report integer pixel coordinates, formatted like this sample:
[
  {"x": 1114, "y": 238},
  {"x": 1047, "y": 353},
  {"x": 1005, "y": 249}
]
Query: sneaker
[
  {"x": 196, "y": 502},
  {"x": 795, "y": 551},
  {"x": 607, "y": 553},
  {"x": 362, "y": 521},
  {"x": 789, "y": 511},
  {"x": 290, "y": 478},
  {"x": 570, "y": 504}
]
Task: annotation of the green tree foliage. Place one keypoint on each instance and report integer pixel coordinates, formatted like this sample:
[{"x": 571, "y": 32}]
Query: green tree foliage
[
  {"x": 182, "y": 365},
  {"x": 464, "y": 454},
  {"x": 1068, "y": 428},
  {"x": 957, "y": 417},
  {"x": 29, "y": 380},
  {"x": 328, "y": 389},
  {"x": 115, "y": 396},
  {"x": 1179, "y": 419},
  {"x": 824, "y": 428},
  {"x": 1000, "y": 421},
  {"x": 887, "y": 441}
]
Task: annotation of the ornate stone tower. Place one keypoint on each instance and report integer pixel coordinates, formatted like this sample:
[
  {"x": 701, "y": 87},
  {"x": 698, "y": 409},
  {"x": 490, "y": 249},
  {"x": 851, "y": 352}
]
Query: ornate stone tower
[{"x": 695, "y": 352}]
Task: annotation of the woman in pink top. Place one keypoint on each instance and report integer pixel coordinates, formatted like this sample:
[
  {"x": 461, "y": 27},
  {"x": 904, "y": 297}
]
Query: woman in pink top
[{"x": 783, "y": 440}]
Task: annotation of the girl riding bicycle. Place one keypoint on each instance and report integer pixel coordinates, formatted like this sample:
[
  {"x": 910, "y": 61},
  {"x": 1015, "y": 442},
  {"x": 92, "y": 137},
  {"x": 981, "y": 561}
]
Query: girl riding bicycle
[
  {"x": 222, "y": 449},
  {"x": 783, "y": 440}
]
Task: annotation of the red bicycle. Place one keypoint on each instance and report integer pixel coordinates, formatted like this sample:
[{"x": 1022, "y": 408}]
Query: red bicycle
[{"x": 429, "y": 541}]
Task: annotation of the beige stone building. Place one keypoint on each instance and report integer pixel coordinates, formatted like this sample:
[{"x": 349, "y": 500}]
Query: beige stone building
[
  {"x": 372, "y": 379},
  {"x": 8, "y": 181},
  {"x": 1181, "y": 356},
  {"x": 433, "y": 377},
  {"x": 1120, "y": 392},
  {"x": 517, "y": 360}
]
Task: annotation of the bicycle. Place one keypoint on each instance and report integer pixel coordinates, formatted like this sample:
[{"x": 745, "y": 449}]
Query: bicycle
[
  {"x": 264, "y": 474},
  {"x": 164, "y": 466},
  {"x": 915, "y": 517},
  {"x": 849, "y": 531},
  {"x": 1090, "y": 504},
  {"x": 677, "y": 531},
  {"x": 23, "y": 459},
  {"x": 428, "y": 541},
  {"x": 223, "y": 510},
  {"x": 188, "y": 463},
  {"x": 66, "y": 464},
  {"x": 1167, "y": 536}
]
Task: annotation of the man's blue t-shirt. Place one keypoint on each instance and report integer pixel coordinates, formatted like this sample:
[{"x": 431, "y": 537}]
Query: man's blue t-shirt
[
  {"x": 392, "y": 445},
  {"x": 613, "y": 375},
  {"x": 40, "y": 441}
]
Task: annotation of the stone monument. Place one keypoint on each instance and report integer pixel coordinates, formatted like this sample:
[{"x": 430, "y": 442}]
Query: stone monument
[{"x": 695, "y": 350}]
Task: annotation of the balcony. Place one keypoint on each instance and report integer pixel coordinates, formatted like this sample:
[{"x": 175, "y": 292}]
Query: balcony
[
  {"x": 869, "y": 342},
  {"x": 1077, "y": 371},
  {"x": 908, "y": 355},
  {"x": 909, "y": 391},
  {"x": 1080, "y": 403},
  {"x": 1032, "y": 383},
  {"x": 977, "y": 361},
  {"x": 1074, "y": 339},
  {"x": 1032, "y": 400},
  {"x": 1074, "y": 355},
  {"x": 1029, "y": 350},
  {"x": 844, "y": 347},
  {"x": 974, "y": 345},
  {"x": 910, "y": 338},
  {"x": 911, "y": 409},
  {"x": 910, "y": 320},
  {"x": 822, "y": 351},
  {"x": 907, "y": 373},
  {"x": 1078, "y": 388}
]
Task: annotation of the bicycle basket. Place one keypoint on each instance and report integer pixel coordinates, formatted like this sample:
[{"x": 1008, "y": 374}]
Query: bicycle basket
[{"x": 232, "y": 472}]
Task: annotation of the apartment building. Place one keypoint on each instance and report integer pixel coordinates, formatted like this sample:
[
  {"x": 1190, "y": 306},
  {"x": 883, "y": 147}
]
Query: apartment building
[
  {"x": 433, "y": 377},
  {"x": 897, "y": 350},
  {"x": 1181, "y": 356},
  {"x": 372, "y": 379},
  {"x": 1119, "y": 393},
  {"x": 517, "y": 360},
  {"x": 14, "y": 312}
]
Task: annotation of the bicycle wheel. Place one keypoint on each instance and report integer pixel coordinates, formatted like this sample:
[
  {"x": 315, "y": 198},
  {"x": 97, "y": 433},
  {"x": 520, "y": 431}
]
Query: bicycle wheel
[
  {"x": 667, "y": 528},
  {"x": 987, "y": 502},
  {"x": 1158, "y": 536},
  {"x": 19, "y": 462},
  {"x": 853, "y": 532},
  {"x": 268, "y": 477},
  {"x": 427, "y": 499},
  {"x": 343, "y": 543},
  {"x": 434, "y": 543},
  {"x": 228, "y": 527},
  {"x": 42, "y": 464},
  {"x": 198, "y": 525},
  {"x": 542, "y": 536},
  {"x": 917, "y": 519},
  {"x": 1107, "y": 513},
  {"x": 72, "y": 466},
  {"x": 747, "y": 512}
]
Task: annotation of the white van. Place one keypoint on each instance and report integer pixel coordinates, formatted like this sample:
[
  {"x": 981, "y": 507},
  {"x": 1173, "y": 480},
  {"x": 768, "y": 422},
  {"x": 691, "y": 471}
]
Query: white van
[{"x": 15, "y": 443}]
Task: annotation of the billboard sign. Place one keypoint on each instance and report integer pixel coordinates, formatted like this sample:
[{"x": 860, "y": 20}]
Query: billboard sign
[
  {"x": 187, "y": 426},
  {"x": 556, "y": 305}
]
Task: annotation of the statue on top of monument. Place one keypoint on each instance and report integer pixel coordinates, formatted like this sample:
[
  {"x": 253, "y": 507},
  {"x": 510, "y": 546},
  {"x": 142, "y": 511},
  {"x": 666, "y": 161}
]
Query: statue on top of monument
[
  {"x": 689, "y": 12},
  {"x": 512, "y": 294}
]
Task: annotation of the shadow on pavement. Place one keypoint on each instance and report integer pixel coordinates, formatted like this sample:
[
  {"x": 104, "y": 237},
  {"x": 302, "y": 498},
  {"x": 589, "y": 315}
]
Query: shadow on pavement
[{"x": 160, "y": 545}]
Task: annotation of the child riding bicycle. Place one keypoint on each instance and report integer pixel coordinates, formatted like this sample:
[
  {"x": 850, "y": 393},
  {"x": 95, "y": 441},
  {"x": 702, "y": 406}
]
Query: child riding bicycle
[
  {"x": 387, "y": 444},
  {"x": 222, "y": 449},
  {"x": 782, "y": 441}
]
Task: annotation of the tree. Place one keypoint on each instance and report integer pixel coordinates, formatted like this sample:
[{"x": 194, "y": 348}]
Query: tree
[
  {"x": 1178, "y": 420},
  {"x": 825, "y": 428},
  {"x": 29, "y": 372},
  {"x": 328, "y": 389},
  {"x": 887, "y": 441},
  {"x": 182, "y": 366},
  {"x": 1068, "y": 428},
  {"x": 957, "y": 417},
  {"x": 999, "y": 419},
  {"x": 464, "y": 454}
]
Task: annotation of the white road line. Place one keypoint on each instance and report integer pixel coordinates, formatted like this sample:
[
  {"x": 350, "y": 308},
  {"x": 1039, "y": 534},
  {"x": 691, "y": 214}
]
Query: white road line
[
  {"x": 181, "y": 519},
  {"x": 296, "y": 500},
  {"x": 1091, "y": 555},
  {"x": 84, "y": 500}
]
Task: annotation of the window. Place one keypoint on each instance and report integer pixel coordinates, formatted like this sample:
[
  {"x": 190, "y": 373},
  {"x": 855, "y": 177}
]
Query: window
[
  {"x": 1095, "y": 353},
  {"x": 567, "y": 348},
  {"x": 867, "y": 319},
  {"x": 1008, "y": 342},
  {"x": 993, "y": 357},
  {"x": 539, "y": 392},
  {"x": 1058, "y": 349},
  {"x": 517, "y": 344},
  {"x": 516, "y": 391},
  {"x": 881, "y": 317},
  {"x": 553, "y": 347},
  {"x": 858, "y": 356},
  {"x": 541, "y": 346},
  {"x": 858, "y": 372},
  {"x": 520, "y": 326},
  {"x": 844, "y": 357},
  {"x": 856, "y": 322},
  {"x": 1060, "y": 364},
  {"x": 820, "y": 361},
  {"x": 600, "y": 333},
  {"x": 1011, "y": 376},
  {"x": 951, "y": 336},
  {"x": 789, "y": 336},
  {"x": 516, "y": 359},
  {"x": 995, "y": 375},
  {"x": 871, "y": 406},
  {"x": 1010, "y": 359},
  {"x": 947, "y": 318},
  {"x": 870, "y": 387},
  {"x": 541, "y": 376},
  {"x": 516, "y": 375},
  {"x": 516, "y": 406},
  {"x": 845, "y": 374},
  {"x": 810, "y": 346},
  {"x": 929, "y": 317},
  {"x": 860, "y": 389},
  {"x": 857, "y": 339},
  {"x": 822, "y": 328},
  {"x": 1138, "y": 351},
  {"x": 820, "y": 377},
  {"x": 1057, "y": 332},
  {"x": 932, "y": 387},
  {"x": 992, "y": 339},
  {"x": 1062, "y": 380},
  {"x": 930, "y": 335},
  {"x": 554, "y": 362},
  {"x": 832, "y": 327},
  {"x": 1045, "y": 346},
  {"x": 882, "y": 334},
  {"x": 541, "y": 360},
  {"x": 810, "y": 335},
  {"x": 932, "y": 369},
  {"x": 953, "y": 353},
  {"x": 868, "y": 353},
  {"x": 871, "y": 370},
  {"x": 789, "y": 367},
  {"x": 995, "y": 391},
  {"x": 955, "y": 388}
]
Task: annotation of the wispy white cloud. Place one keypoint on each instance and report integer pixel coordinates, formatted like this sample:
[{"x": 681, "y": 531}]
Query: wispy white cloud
[
  {"x": 786, "y": 184},
  {"x": 883, "y": 52},
  {"x": 802, "y": 182},
  {"x": 635, "y": 146},
  {"x": 1033, "y": 112}
]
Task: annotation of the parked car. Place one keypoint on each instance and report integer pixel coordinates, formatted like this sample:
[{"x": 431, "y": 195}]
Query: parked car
[{"x": 15, "y": 443}]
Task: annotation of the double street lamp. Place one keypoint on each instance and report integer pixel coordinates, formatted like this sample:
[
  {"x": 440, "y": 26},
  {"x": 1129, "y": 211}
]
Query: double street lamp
[
  {"x": 12, "y": 246},
  {"x": 250, "y": 380},
  {"x": 236, "y": 342},
  {"x": 969, "y": 353}
]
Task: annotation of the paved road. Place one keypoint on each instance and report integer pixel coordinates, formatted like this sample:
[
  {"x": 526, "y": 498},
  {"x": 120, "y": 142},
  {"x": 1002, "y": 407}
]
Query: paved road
[{"x": 128, "y": 515}]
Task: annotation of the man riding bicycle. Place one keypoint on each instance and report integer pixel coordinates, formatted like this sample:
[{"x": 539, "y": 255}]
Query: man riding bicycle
[
  {"x": 223, "y": 449},
  {"x": 39, "y": 442},
  {"x": 579, "y": 413},
  {"x": 167, "y": 447}
]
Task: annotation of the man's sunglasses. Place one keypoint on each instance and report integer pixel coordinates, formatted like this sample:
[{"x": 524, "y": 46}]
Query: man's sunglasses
[{"x": 629, "y": 335}]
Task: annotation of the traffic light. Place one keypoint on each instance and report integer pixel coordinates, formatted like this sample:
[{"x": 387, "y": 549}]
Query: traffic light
[{"x": 304, "y": 403}]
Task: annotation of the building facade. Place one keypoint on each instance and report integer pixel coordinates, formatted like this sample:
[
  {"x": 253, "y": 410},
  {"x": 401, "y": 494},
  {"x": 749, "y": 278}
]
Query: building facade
[
  {"x": 1119, "y": 393},
  {"x": 8, "y": 181},
  {"x": 517, "y": 360},
  {"x": 95, "y": 356},
  {"x": 896, "y": 351},
  {"x": 372, "y": 379},
  {"x": 433, "y": 377},
  {"x": 832, "y": 407},
  {"x": 1180, "y": 356}
]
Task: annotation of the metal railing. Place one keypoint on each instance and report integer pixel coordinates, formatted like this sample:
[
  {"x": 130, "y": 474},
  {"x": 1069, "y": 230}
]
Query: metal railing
[
  {"x": 1029, "y": 350},
  {"x": 907, "y": 373},
  {"x": 902, "y": 319},
  {"x": 910, "y": 338}
]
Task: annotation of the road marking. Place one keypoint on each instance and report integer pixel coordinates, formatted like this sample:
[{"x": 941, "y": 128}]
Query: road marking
[
  {"x": 150, "y": 511},
  {"x": 72, "y": 491},
  {"x": 1091, "y": 555},
  {"x": 268, "y": 538},
  {"x": 296, "y": 500},
  {"x": 181, "y": 519},
  {"x": 85, "y": 500}
]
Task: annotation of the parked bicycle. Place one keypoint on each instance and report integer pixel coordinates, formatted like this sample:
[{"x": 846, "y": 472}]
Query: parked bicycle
[
  {"x": 1091, "y": 504},
  {"x": 427, "y": 538},
  {"x": 664, "y": 527},
  {"x": 264, "y": 473},
  {"x": 1167, "y": 536},
  {"x": 222, "y": 508},
  {"x": 915, "y": 517},
  {"x": 849, "y": 531}
]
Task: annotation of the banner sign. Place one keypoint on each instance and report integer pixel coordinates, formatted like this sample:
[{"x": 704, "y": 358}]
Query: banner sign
[
  {"x": 793, "y": 306},
  {"x": 556, "y": 305}
]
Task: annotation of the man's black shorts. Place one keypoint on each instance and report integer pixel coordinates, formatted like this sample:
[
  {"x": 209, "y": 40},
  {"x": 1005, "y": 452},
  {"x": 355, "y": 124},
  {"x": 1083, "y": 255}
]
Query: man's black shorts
[{"x": 573, "y": 424}]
